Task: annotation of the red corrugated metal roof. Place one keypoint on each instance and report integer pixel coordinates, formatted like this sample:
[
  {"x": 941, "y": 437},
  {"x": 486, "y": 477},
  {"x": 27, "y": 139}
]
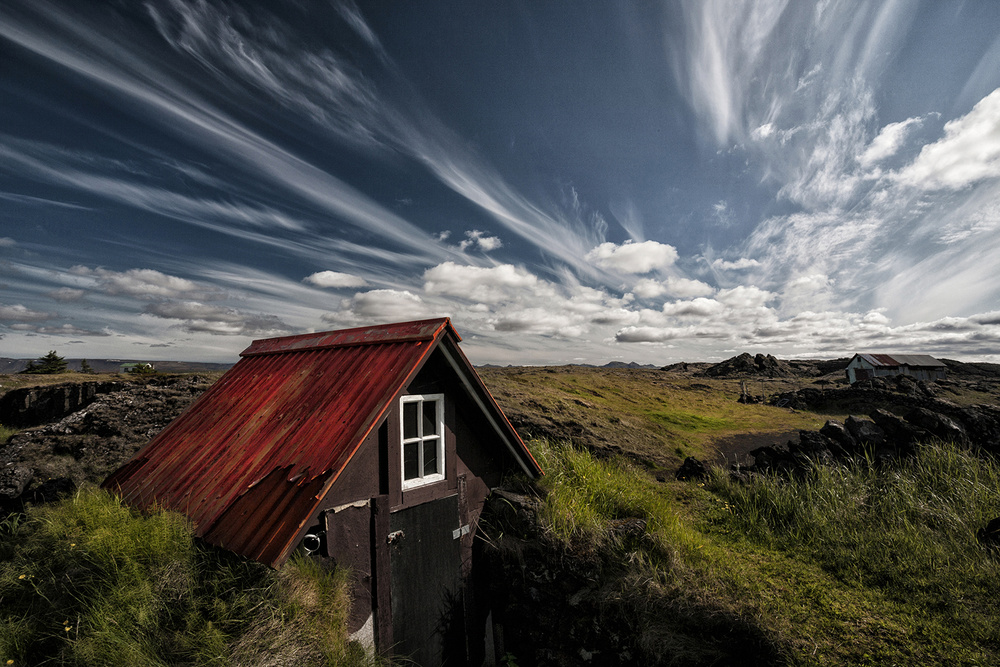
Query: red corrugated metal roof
[
  {"x": 894, "y": 360},
  {"x": 251, "y": 459}
]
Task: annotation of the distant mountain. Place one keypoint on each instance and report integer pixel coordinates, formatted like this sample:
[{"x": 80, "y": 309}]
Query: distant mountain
[
  {"x": 10, "y": 366},
  {"x": 630, "y": 364}
]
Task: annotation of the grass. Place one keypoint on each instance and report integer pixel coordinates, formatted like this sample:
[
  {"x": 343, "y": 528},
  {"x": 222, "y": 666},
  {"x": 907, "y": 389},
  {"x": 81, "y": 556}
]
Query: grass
[
  {"x": 849, "y": 565},
  {"x": 89, "y": 581},
  {"x": 653, "y": 416},
  {"x": 6, "y": 432}
]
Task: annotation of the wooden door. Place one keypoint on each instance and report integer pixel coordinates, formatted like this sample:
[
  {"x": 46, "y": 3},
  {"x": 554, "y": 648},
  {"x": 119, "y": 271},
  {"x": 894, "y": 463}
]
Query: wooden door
[{"x": 428, "y": 617}]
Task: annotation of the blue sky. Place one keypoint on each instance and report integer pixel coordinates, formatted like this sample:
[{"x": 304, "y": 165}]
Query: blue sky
[{"x": 570, "y": 182}]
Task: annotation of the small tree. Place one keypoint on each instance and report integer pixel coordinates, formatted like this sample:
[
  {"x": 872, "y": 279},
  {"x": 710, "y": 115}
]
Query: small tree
[
  {"x": 85, "y": 367},
  {"x": 50, "y": 364}
]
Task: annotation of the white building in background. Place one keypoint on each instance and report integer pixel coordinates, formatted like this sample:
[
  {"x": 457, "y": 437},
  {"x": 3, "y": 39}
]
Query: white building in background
[{"x": 918, "y": 366}]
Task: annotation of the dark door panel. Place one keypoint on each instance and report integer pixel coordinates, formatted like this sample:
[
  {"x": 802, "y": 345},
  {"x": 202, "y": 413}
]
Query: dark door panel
[{"x": 427, "y": 602}]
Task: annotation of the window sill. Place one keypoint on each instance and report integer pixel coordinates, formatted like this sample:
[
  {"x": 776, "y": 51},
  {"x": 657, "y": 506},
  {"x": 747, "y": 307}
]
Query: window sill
[{"x": 420, "y": 482}]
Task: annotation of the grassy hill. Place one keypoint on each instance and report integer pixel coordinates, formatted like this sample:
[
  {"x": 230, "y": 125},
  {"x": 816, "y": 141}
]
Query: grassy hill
[{"x": 844, "y": 564}]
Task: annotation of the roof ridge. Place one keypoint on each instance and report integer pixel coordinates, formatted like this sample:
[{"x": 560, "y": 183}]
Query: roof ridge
[{"x": 403, "y": 332}]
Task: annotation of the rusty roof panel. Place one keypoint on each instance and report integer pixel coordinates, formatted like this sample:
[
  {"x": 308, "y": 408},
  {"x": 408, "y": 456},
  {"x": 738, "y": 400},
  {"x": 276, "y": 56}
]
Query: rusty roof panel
[
  {"x": 916, "y": 360},
  {"x": 893, "y": 360},
  {"x": 250, "y": 460},
  {"x": 407, "y": 331}
]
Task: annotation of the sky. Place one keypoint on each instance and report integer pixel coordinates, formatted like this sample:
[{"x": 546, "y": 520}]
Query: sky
[{"x": 569, "y": 182}]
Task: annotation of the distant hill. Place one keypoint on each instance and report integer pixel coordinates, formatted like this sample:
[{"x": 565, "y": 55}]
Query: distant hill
[
  {"x": 631, "y": 364},
  {"x": 10, "y": 366}
]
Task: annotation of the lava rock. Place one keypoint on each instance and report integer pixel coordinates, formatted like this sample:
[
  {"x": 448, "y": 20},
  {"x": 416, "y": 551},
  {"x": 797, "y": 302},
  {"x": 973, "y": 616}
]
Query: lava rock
[
  {"x": 902, "y": 434},
  {"x": 937, "y": 424},
  {"x": 840, "y": 436},
  {"x": 865, "y": 431},
  {"x": 13, "y": 479},
  {"x": 692, "y": 469},
  {"x": 31, "y": 406},
  {"x": 813, "y": 446}
]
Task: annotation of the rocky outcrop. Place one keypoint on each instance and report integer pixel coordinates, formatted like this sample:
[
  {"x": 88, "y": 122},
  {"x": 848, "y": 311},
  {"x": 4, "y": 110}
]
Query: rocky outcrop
[
  {"x": 924, "y": 413},
  {"x": 881, "y": 438},
  {"x": 692, "y": 468},
  {"x": 85, "y": 446},
  {"x": 32, "y": 406},
  {"x": 937, "y": 424},
  {"x": 745, "y": 365}
]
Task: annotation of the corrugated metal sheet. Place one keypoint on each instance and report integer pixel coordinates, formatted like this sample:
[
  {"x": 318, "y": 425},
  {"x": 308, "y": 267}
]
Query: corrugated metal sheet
[
  {"x": 911, "y": 360},
  {"x": 251, "y": 459}
]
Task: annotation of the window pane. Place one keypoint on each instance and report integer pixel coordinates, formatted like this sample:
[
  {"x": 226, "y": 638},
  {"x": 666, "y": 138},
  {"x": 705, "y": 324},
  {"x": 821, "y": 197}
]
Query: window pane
[
  {"x": 430, "y": 418},
  {"x": 430, "y": 456},
  {"x": 411, "y": 463},
  {"x": 410, "y": 419}
]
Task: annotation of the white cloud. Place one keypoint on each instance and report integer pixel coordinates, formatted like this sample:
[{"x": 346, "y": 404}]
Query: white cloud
[
  {"x": 539, "y": 321},
  {"x": 7, "y": 242},
  {"x": 806, "y": 292},
  {"x": 334, "y": 279},
  {"x": 875, "y": 317},
  {"x": 811, "y": 283},
  {"x": 485, "y": 284},
  {"x": 695, "y": 308},
  {"x": 682, "y": 288},
  {"x": 139, "y": 282},
  {"x": 763, "y": 132},
  {"x": 968, "y": 153},
  {"x": 67, "y": 294},
  {"x": 217, "y": 320},
  {"x": 744, "y": 297},
  {"x": 478, "y": 240},
  {"x": 20, "y": 313},
  {"x": 739, "y": 265},
  {"x": 193, "y": 310},
  {"x": 888, "y": 142},
  {"x": 385, "y": 305},
  {"x": 633, "y": 257},
  {"x": 69, "y": 330}
]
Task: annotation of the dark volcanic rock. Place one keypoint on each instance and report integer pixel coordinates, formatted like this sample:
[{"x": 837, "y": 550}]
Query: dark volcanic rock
[
  {"x": 87, "y": 445},
  {"x": 839, "y": 435},
  {"x": 13, "y": 479},
  {"x": 902, "y": 433},
  {"x": 937, "y": 424},
  {"x": 813, "y": 446},
  {"x": 771, "y": 459},
  {"x": 31, "y": 406},
  {"x": 744, "y": 364},
  {"x": 692, "y": 468},
  {"x": 864, "y": 431}
]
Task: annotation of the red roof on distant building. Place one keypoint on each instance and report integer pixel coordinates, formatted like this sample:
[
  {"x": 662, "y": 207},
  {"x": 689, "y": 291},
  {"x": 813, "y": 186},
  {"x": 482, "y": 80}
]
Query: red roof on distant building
[{"x": 251, "y": 459}]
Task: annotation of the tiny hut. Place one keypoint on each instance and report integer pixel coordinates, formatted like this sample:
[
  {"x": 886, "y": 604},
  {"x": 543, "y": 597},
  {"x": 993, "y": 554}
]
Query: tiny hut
[
  {"x": 375, "y": 447},
  {"x": 918, "y": 366}
]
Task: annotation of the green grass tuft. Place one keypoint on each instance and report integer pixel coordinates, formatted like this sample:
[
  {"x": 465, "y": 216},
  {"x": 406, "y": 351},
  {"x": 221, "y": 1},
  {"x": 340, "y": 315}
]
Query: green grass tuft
[
  {"x": 6, "y": 432},
  {"x": 89, "y": 581},
  {"x": 850, "y": 565}
]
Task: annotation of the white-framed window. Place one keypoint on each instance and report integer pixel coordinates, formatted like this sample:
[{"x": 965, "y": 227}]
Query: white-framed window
[{"x": 422, "y": 427}]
